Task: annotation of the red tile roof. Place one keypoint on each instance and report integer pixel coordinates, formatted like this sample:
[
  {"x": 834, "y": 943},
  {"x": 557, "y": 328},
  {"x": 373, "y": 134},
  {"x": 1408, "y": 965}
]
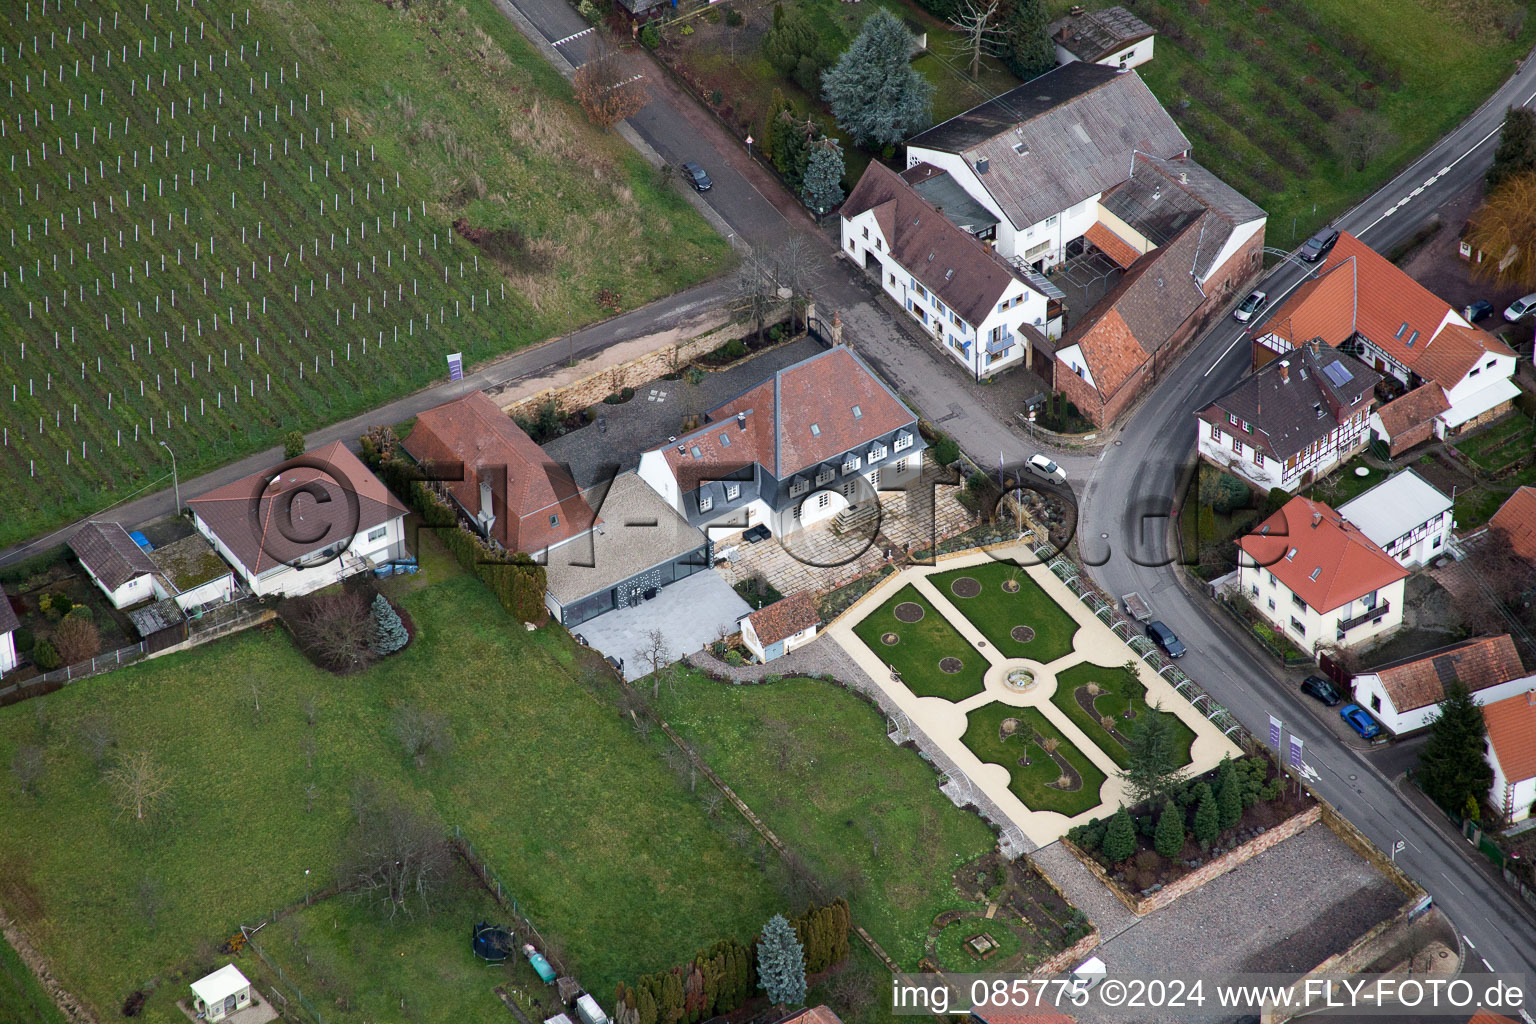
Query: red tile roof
[
  {"x": 1416, "y": 408},
  {"x": 527, "y": 486},
  {"x": 815, "y": 1015},
  {"x": 1111, "y": 352},
  {"x": 1479, "y": 663},
  {"x": 1517, "y": 519},
  {"x": 1333, "y": 564},
  {"x": 1360, "y": 291},
  {"x": 784, "y": 618},
  {"x": 278, "y": 515},
  {"x": 963, "y": 271},
  {"x": 1112, "y": 245},
  {"x": 801, "y": 416},
  {"x": 1512, "y": 732}
]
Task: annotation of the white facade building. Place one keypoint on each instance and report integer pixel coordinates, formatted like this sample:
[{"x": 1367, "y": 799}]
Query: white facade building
[
  {"x": 1407, "y": 516},
  {"x": 1512, "y": 753},
  {"x": 1406, "y": 695}
]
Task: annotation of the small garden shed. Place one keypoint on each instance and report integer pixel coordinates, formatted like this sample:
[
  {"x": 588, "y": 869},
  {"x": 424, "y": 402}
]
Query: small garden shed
[{"x": 221, "y": 993}]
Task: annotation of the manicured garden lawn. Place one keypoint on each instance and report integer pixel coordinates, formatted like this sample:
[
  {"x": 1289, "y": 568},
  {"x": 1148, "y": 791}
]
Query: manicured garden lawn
[
  {"x": 22, "y": 998},
  {"x": 604, "y": 848},
  {"x": 996, "y": 612},
  {"x": 812, "y": 760},
  {"x": 1501, "y": 445},
  {"x": 1281, "y": 98},
  {"x": 954, "y": 955},
  {"x": 920, "y": 646},
  {"x": 1345, "y": 484},
  {"x": 1120, "y": 689},
  {"x": 1031, "y": 783}
]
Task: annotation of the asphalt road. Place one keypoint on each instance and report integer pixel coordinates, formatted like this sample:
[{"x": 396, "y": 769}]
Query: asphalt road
[{"x": 1123, "y": 535}]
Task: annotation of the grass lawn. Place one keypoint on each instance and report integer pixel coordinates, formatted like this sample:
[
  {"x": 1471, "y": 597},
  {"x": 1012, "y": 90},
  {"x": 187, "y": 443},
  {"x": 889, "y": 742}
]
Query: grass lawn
[
  {"x": 1476, "y": 505},
  {"x": 995, "y": 611},
  {"x": 955, "y": 955},
  {"x": 1031, "y": 783},
  {"x": 1306, "y": 105},
  {"x": 1120, "y": 689},
  {"x": 1345, "y": 484},
  {"x": 22, "y": 998},
  {"x": 812, "y": 760},
  {"x": 1502, "y": 445},
  {"x": 441, "y": 113},
  {"x": 607, "y": 852},
  {"x": 350, "y": 964},
  {"x": 920, "y": 646}
]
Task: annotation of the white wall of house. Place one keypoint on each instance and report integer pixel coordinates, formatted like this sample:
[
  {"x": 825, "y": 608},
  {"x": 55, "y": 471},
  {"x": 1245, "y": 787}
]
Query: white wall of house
[
  {"x": 1132, "y": 56},
  {"x": 1512, "y": 796},
  {"x": 8, "y": 659},
  {"x": 212, "y": 592},
  {"x": 1491, "y": 368},
  {"x": 379, "y": 543},
  {"x": 1423, "y": 542},
  {"x": 1370, "y": 693},
  {"x": 1072, "y": 355},
  {"x": 653, "y": 469},
  {"x": 1221, "y": 449},
  {"x": 1228, "y": 448},
  {"x": 140, "y": 588},
  {"x": 1311, "y": 629},
  {"x": 1241, "y": 236}
]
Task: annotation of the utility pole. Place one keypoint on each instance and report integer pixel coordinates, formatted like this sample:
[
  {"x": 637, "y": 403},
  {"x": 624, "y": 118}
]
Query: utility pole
[{"x": 175, "y": 481}]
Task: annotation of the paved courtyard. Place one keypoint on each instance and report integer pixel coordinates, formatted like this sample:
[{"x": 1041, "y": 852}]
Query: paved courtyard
[
  {"x": 945, "y": 722},
  {"x": 690, "y": 612}
]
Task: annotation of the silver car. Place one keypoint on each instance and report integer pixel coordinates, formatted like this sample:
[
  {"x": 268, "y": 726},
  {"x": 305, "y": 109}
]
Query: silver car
[{"x": 1520, "y": 307}]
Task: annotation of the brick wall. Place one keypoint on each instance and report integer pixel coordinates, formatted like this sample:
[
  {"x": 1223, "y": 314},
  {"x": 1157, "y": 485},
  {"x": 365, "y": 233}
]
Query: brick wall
[
  {"x": 1141, "y": 905},
  {"x": 1408, "y": 438},
  {"x": 598, "y": 381},
  {"x": 1369, "y": 851}
]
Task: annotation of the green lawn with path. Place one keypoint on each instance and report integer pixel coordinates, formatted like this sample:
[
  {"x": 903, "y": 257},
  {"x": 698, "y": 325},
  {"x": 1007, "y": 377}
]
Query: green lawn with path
[
  {"x": 1121, "y": 689},
  {"x": 996, "y": 612},
  {"x": 813, "y": 761},
  {"x": 955, "y": 955},
  {"x": 1032, "y": 783},
  {"x": 920, "y": 646},
  {"x": 605, "y": 848}
]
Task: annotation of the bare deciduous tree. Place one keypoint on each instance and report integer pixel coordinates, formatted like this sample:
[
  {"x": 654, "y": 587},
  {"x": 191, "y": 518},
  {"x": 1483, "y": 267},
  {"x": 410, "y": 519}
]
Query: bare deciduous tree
[
  {"x": 97, "y": 734},
  {"x": 307, "y": 747},
  {"x": 365, "y": 794},
  {"x": 423, "y": 733},
  {"x": 140, "y": 785},
  {"x": 335, "y": 629},
  {"x": 310, "y": 709},
  {"x": 608, "y": 86},
  {"x": 27, "y": 767},
  {"x": 397, "y": 859},
  {"x": 753, "y": 290},
  {"x": 1361, "y": 137},
  {"x": 852, "y": 991},
  {"x": 975, "y": 21},
  {"x": 797, "y": 265},
  {"x": 76, "y": 639},
  {"x": 658, "y": 654}
]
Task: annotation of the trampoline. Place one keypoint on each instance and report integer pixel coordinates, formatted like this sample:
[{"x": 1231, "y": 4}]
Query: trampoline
[{"x": 491, "y": 942}]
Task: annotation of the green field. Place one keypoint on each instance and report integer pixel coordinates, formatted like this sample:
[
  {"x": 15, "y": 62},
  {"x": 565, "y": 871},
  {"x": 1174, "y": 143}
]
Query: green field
[
  {"x": 226, "y": 223},
  {"x": 1121, "y": 689},
  {"x": 996, "y": 612},
  {"x": 1032, "y": 783},
  {"x": 813, "y": 761},
  {"x": 1287, "y": 99},
  {"x": 22, "y": 999},
  {"x": 920, "y": 646},
  {"x": 604, "y": 848}
]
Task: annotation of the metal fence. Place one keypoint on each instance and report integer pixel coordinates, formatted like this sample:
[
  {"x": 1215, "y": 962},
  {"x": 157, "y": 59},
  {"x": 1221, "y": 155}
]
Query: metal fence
[
  {"x": 277, "y": 994},
  {"x": 504, "y": 896},
  {"x": 82, "y": 670}
]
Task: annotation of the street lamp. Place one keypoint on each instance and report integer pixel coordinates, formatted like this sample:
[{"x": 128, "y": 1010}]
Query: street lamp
[{"x": 176, "y": 483}]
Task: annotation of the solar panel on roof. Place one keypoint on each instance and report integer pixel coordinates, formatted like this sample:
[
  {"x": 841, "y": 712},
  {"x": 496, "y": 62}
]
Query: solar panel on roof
[{"x": 1338, "y": 373}]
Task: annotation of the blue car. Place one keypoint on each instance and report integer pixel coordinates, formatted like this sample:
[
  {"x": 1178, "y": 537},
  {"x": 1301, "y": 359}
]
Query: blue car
[{"x": 1360, "y": 720}]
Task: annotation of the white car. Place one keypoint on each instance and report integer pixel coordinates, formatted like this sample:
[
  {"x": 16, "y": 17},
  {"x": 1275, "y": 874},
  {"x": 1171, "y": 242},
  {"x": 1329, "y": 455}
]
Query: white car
[
  {"x": 1520, "y": 307},
  {"x": 1252, "y": 306},
  {"x": 1046, "y": 469}
]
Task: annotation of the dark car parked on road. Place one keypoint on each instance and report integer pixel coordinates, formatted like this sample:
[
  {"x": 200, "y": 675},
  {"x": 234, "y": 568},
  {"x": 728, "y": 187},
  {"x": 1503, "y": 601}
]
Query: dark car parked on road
[
  {"x": 1319, "y": 245},
  {"x": 1165, "y": 638},
  {"x": 1322, "y": 689},
  {"x": 696, "y": 176},
  {"x": 1477, "y": 310}
]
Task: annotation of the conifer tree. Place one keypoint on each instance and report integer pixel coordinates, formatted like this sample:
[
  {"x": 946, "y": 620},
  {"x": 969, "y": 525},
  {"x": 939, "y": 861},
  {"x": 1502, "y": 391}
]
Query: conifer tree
[
  {"x": 1120, "y": 837},
  {"x": 1452, "y": 766},
  {"x": 1207, "y": 823},
  {"x": 875, "y": 94},
  {"x": 389, "y": 633},
  {"x": 1229, "y": 795},
  {"x": 781, "y": 963}
]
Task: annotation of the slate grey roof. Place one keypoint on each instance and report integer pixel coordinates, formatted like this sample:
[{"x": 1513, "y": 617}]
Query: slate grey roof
[
  {"x": 1094, "y": 35},
  {"x": 1161, "y": 196},
  {"x": 638, "y": 530},
  {"x": 1282, "y": 399},
  {"x": 945, "y": 195},
  {"x": 1075, "y": 129},
  {"x": 109, "y": 553}
]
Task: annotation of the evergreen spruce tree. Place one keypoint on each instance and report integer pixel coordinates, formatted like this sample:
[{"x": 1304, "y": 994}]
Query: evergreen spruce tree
[
  {"x": 1452, "y": 767},
  {"x": 781, "y": 963},
  {"x": 875, "y": 94},
  {"x": 777, "y": 104},
  {"x": 1026, "y": 41},
  {"x": 389, "y": 633},
  {"x": 1168, "y": 840},
  {"x": 1152, "y": 768},
  {"x": 1119, "y": 837},
  {"x": 1517, "y": 147},
  {"x": 1229, "y": 795},
  {"x": 823, "y": 188},
  {"x": 1207, "y": 823}
]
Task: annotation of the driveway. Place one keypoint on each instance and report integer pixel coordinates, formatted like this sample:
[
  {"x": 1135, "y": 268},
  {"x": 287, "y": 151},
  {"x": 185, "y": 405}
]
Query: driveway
[{"x": 690, "y": 613}]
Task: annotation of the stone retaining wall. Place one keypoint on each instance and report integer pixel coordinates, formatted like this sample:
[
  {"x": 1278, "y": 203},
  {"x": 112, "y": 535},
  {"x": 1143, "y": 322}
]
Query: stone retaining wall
[
  {"x": 592, "y": 384},
  {"x": 1369, "y": 851},
  {"x": 1142, "y": 905},
  {"x": 1070, "y": 957}
]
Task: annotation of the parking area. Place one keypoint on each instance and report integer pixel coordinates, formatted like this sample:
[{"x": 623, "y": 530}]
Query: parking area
[
  {"x": 690, "y": 614},
  {"x": 657, "y": 410}
]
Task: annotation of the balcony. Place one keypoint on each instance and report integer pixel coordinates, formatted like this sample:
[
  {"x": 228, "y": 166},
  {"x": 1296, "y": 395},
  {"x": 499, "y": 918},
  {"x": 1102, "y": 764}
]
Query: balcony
[{"x": 1382, "y": 607}]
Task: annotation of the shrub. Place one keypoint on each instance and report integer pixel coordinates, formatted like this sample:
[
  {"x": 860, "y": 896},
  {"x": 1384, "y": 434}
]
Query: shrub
[
  {"x": 46, "y": 657},
  {"x": 24, "y": 640},
  {"x": 733, "y": 18},
  {"x": 945, "y": 450},
  {"x": 81, "y": 611},
  {"x": 335, "y": 630},
  {"x": 734, "y": 349},
  {"x": 1207, "y": 824},
  {"x": 1169, "y": 839},
  {"x": 716, "y": 97},
  {"x": 589, "y": 12},
  {"x": 733, "y": 657},
  {"x": 649, "y": 37},
  {"x": 293, "y": 444},
  {"x": 1119, "y": 837},
  {"x": 76, "y": 640},
  {"x": 627, "y": 394},
  {"x": 55, "y": 606}
]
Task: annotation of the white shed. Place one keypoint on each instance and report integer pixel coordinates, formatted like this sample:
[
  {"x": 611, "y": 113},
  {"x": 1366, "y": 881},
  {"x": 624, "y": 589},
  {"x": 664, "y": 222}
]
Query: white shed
[{"x": 221, "y": 993}]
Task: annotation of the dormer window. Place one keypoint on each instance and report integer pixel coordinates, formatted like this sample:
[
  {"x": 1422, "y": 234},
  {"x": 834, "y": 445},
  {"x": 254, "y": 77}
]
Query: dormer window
[
  {"x": 903, "y": 441},
  {"x": 876, "y": 453},
  {"x": 851, "y": 463},
  {"x": 706, "y": 501},
  {"x": 798, "y": 486},
  {"x": 732, "y": 492},
  {"x": 825, "y": 475}
]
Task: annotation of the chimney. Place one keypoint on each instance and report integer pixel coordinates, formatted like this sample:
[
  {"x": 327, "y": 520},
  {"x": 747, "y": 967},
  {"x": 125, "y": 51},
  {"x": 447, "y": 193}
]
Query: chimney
[
  {"x": 1317, "y": 518},
  {"x": 1183, "y": 177},
  {"x": 741, "y": 421},
  {"x": 983, "y": 165},
  {"x": 1285, "y": 371},
  {"x": 1530, "y": 698}
]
